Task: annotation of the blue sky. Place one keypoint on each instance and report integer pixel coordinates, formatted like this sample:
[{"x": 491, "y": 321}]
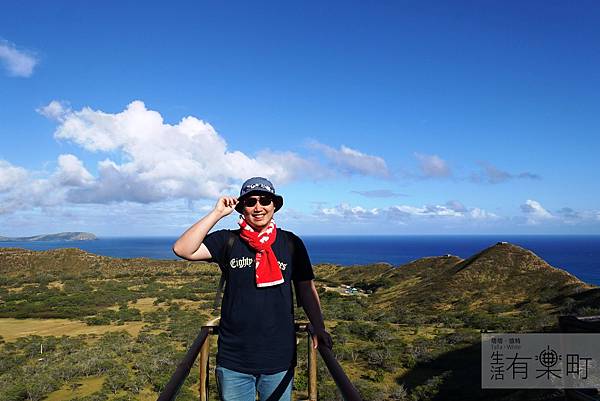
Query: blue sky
[{"x": 389, "y": 117}]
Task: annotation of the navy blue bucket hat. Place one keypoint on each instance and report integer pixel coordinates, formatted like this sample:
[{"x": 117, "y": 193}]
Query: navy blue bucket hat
[{"x": 258, "y": 186}]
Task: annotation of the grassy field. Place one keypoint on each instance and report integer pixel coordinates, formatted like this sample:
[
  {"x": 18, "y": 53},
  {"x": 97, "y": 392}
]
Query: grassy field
[
  {"x": 116, "y": 329},
  {"x": 80, "y": 388},
  {"x": 11, "y": 329}
]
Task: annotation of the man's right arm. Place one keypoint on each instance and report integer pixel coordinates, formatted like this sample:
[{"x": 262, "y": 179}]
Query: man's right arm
[{"x": 190, "y": 245}]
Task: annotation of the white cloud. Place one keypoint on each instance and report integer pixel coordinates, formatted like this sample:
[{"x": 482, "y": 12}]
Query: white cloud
[
  {"x": 10, "y": 176},
  {"x": 160, "y": 161},
  {"x": 425, "y": 211},
  {"x": 288, "y": 166},
  {"x": 18, "y": 63},
  {"x": 148, "y": 160},
  {"x": 433, "y": 166},
  {"x": 349, "y": 212},
  {"x": 400, "y": 213},
  {"x": 71, "y": 172},
  {"x": 456, "y": 206},
  {"x": 54, "y": 110},
  {"x": 452, "y": 210},
  {"x": 20, "y": 189},
  {"x": 351, "y": 161},
  {"x": 570, "y": 216},
  {"x": 480, "y": 214},
  {"x": 535, "y": 212}
]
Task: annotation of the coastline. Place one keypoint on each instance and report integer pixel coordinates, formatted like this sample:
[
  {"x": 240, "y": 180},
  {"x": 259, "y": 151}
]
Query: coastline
[{"x": 577, "y": 254}]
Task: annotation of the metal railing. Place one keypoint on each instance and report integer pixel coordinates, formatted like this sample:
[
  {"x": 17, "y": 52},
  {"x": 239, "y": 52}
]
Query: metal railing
[{"x": 201, "y": 346}]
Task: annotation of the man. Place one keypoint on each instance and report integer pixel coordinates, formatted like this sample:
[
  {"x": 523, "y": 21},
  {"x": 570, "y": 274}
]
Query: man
[{"x": 257, "y": 340}]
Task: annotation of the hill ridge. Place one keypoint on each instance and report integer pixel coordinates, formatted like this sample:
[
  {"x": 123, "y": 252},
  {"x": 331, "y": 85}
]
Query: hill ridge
[{"x": 62, "y": 236}]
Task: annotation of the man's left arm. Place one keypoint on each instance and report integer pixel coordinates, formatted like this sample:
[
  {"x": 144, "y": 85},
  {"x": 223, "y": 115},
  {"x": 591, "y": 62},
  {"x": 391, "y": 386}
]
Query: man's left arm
[{"x": 312, "y": 306}]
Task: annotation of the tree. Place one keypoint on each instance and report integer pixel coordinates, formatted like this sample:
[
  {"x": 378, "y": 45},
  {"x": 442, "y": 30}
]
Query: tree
[
  {"x": 37, "y": 386},
  {"x": 116, "y": 378}
]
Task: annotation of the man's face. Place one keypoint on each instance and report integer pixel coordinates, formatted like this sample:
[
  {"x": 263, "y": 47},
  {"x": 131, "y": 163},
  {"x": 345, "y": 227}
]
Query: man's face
[{"x": 258, "y": 211}]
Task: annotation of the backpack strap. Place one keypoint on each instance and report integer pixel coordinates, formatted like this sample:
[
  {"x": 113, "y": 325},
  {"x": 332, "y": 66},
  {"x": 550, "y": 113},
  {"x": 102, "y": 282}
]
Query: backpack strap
[
  {"x": 282, "y": 386},
  {"x": 226, "y": 251},
  {"x": 291, "y": 248}
]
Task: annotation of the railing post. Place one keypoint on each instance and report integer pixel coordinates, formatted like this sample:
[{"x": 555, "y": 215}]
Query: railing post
[
  {"x": 204, "y": 354},
  {"x": 312, "y": 370}
]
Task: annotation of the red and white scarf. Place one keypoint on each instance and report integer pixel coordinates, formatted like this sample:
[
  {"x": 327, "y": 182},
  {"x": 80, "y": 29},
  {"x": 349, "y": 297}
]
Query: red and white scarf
[{"x": 268, "y": 272}]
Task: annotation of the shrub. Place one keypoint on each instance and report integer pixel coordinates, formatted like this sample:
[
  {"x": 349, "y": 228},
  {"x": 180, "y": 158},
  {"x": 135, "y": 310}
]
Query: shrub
[{"x": 430, "y": 389}]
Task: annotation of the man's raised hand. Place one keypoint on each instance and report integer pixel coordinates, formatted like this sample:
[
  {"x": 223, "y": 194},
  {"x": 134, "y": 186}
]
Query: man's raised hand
[{"x": 225, "y": 205}]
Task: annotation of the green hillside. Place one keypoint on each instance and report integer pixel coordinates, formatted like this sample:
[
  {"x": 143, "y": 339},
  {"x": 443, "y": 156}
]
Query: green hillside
[
  {"x": 502, "y": 287},
  {"x": 115, "y": 329}
]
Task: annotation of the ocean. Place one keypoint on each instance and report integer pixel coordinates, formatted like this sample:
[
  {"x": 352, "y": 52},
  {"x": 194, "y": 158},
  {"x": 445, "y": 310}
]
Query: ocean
[{"x": 577, "y": 254}]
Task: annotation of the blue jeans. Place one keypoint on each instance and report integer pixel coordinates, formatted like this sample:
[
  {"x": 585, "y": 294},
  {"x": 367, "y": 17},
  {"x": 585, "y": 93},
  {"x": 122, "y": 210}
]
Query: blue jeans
[{"x": 237, "y": 386}]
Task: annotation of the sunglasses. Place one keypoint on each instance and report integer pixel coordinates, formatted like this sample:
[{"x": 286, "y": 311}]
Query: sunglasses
[{"x": 263, "y": 200}]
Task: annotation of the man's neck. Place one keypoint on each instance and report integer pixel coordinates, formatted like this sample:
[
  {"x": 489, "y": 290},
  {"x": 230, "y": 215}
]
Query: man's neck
[{"x": 260, "y": 230}]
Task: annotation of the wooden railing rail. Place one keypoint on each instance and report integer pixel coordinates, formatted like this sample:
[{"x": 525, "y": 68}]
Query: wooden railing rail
[{"x": 177, "y": 379}]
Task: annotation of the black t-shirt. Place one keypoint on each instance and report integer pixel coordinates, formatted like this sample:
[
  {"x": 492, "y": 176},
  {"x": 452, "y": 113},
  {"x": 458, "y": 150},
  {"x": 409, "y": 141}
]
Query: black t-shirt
[{"x": 256, "y": 332}]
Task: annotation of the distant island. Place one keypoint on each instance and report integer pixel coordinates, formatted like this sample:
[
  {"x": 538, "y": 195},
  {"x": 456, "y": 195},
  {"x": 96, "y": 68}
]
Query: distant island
[{"x": 67, "y": 236}]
